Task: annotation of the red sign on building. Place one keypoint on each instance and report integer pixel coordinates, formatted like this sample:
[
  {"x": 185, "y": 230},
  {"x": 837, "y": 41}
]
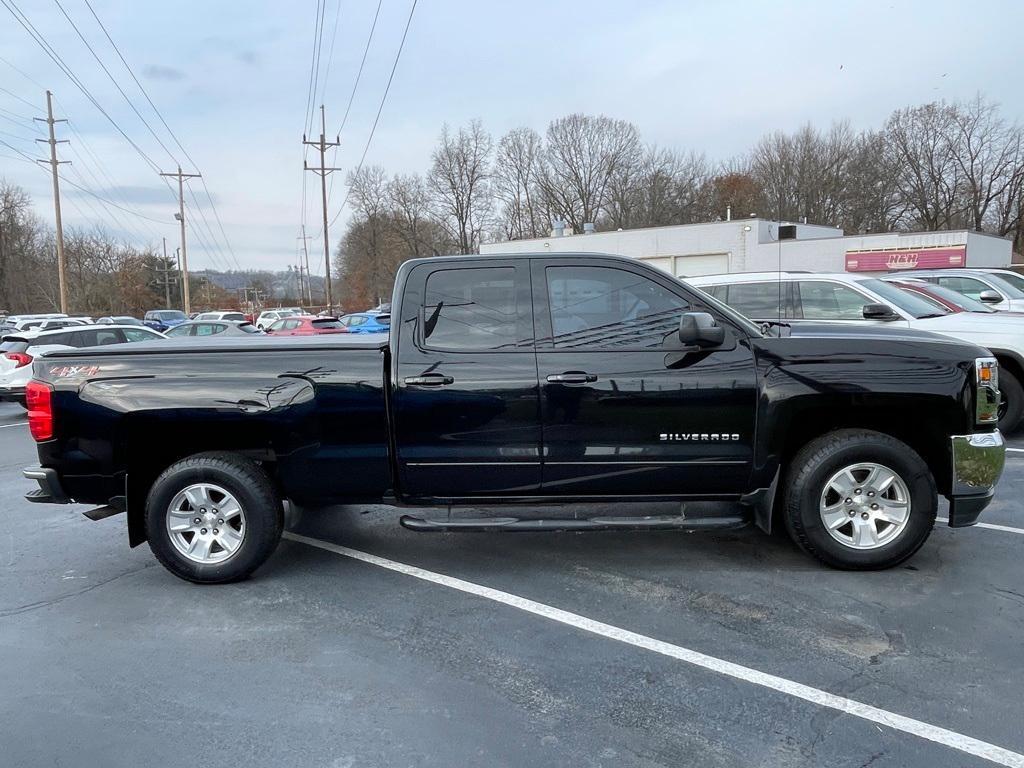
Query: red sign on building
[{"x": 906, "y": 258}]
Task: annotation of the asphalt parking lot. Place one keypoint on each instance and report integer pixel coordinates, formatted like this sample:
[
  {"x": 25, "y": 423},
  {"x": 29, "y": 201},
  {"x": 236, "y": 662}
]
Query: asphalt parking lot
[{"x": 362, "y": 644}]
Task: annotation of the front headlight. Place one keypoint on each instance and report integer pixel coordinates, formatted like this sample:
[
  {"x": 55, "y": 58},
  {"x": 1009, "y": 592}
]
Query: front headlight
[{"x": 986, "y": 388}]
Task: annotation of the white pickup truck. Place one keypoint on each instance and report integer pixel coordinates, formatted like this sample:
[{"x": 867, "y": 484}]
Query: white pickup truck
[{"x": 841, "y": 298}]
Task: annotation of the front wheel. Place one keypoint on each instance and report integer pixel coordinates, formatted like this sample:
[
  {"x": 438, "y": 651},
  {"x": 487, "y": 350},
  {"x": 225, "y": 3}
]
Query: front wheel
[
  {"x": 1011, "y": 404},
  {"x": 859, "y": 500},
  {"x": 213, "y": 518}
]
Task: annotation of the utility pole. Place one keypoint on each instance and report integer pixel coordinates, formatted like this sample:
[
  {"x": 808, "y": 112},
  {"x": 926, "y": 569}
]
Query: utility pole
[
  {"x": 180, "y": 216},
  {"x": 305, "y": 250},
  {"x": 62, "y": 281},
  {"x": 167, "y": 280},
  {"x": 323, "y": 145}
]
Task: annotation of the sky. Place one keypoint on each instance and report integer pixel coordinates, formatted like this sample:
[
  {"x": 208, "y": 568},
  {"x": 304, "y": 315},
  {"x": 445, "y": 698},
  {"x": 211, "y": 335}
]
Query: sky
[{"x": 231, "y": 80}]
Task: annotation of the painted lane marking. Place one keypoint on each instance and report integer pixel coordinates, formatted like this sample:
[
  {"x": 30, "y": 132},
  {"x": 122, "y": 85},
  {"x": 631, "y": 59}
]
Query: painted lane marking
[
  {"x": 18, "y": 424},
  {"x": 1015, "y": 450},
  {"x": 990, "y": 526},
  {"x": 951, "y": 739}
]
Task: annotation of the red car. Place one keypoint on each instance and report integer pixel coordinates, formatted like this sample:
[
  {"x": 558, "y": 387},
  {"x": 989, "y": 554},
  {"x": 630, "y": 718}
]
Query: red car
[
  {"x": 946, "y": 297},
  {"x": 306, "y": 325}
]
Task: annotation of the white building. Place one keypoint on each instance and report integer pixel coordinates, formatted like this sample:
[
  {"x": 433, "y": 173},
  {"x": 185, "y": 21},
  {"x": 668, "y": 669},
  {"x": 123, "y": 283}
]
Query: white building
[{"x": 753, "y": 245}]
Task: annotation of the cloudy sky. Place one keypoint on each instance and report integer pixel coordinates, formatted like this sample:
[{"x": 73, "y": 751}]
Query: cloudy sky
[{"x": 231, "y": 80}]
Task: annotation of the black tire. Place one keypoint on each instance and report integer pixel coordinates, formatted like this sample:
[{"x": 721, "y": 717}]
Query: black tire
[
  {"x": 1012, "y": 408},
  {"x": 817, "y": 462},
  {"x": 255, "y": 493}
]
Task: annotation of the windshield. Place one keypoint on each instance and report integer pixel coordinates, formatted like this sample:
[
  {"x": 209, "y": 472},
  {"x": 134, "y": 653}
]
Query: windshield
[
  {"x": 1011, "y": 285},
  {"x": 914, "y": 305},
  {"x": 965, "y": 303},
  {"x": 170, "y": 314}
]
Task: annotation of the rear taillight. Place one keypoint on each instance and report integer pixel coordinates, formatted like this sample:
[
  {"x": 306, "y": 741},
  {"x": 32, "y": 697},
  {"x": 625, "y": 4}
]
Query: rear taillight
[
  {"x": 20, "y": 358},
  {"x": 39, "y": 403}
]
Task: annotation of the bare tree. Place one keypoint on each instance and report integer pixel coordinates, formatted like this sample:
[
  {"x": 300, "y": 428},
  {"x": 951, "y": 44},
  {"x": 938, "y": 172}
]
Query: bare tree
[
  {"x": 518, "y": 168},
  {"x": 459, "y": 177},
  {"x": 583, "y": 155},
  {"x": 928, "y": 173},
  {"x": 987, "y": 152}
]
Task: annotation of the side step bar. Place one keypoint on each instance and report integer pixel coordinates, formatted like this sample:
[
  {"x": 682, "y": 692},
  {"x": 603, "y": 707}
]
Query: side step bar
[{"x": 652, "y": 523}]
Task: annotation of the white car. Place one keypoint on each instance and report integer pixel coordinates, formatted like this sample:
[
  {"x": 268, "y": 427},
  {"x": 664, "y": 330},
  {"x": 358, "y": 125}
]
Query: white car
[
  {"x": 229, "y": 315},
  {"x": 847, "y": 299},
  {"x": 998, "y": 288},
  {"x": 18, "y": 350},
  {"x": 268, "y": 317}
]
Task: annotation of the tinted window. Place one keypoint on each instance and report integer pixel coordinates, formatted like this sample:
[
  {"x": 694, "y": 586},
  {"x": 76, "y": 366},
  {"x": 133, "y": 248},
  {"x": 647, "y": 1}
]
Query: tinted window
[
  {"x": 756, "y": 300},
  {"x": 1017, "y": 281},
  {"x": 607, "y": 307},
  {"x": 170, "y": 314},
  {"x": 248, "y": 328},
  {"x": 822, "y": 300},
  {"x": 327, "y": 323},
  {"x": 469, "y": 309},
  {"x": 233, "y": 316},
  {"x": 968, "y": 286}
]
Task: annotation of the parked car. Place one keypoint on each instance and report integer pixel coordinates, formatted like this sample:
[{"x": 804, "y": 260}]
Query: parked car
[
  {"x": 514, "y": 378},
  {"x": 232, "y": 315},
  {"x": 851, "y": 300},
  {"x": 20, "y": 349},
  {"x": 270, "y": 316},
  {"x": 1016, "y": 279},
  {"x": 119, "y": 320},
  {"x": 306, "y": 325},
  {"x": 366, "y": 322},
  {"x": 947, "y": 298},
  {"x": 212, "y": 328},
  {"x": 164, "y": 319},
  {"x": 989, "y": 287}
]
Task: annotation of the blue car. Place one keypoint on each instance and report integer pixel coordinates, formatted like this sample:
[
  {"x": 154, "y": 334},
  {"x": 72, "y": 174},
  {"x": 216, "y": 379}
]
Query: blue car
[
  {"x": 164, "y": 319},
  {"x": 366, "y": 322}
]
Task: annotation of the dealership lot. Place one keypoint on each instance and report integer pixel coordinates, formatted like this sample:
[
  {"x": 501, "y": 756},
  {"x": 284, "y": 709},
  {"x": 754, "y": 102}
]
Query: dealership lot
[{"x": 325, "y": 659}]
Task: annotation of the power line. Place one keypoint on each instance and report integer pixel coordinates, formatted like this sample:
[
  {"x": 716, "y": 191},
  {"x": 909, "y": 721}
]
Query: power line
[
  {"x": 173, "y": 136},
  {"x": 40, "y": 40},
  {"x": 16, "y": 96},
  {"x": 330, "y": 54},
  {"x": 355, "y": 87},
  {"x": 380, "y": 109}
]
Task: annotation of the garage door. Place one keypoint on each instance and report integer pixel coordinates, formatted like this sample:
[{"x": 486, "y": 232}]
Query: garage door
[{"x": 704, "y": 264}]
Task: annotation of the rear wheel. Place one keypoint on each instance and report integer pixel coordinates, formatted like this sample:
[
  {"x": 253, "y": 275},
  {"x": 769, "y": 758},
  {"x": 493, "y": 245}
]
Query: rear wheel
[
  {"x": 213, "y": 518},
  {"x": 859, "y": 500},
  {"x": 1011, "y": 407}
]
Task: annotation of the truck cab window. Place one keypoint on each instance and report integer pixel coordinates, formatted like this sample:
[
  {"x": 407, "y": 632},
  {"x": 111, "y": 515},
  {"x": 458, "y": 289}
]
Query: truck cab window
[
  {"x": 602, "y": 307},
  {"x": 470, "y": 309}
]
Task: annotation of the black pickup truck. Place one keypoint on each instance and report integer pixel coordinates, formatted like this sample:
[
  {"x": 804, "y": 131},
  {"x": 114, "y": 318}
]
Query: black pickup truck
[{"x": 510, "y": 381}]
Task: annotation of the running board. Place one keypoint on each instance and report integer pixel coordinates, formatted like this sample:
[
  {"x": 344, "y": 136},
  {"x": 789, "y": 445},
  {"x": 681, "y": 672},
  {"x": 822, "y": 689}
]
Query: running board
[{"x": 653, "y": 523}]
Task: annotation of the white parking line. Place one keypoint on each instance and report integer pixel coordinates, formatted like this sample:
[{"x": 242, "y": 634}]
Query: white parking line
[
  {"x": 990, "y": 526},
  {"x": 18, "y": 424},
  {"x": 1015, "y": 450},
  {"x": 947, "y": 738}
]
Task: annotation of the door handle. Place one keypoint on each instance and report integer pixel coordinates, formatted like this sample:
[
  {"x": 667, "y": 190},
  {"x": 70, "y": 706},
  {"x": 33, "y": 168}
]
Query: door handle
[
  {"x": 572, "y": 377},
  {"x": 429, "y": 380}
]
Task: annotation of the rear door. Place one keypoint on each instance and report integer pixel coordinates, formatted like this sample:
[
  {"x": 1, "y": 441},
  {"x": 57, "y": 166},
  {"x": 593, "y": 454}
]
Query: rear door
[
  {"x": 466, "y": 404},
  {"x": 622, "y": 413}
]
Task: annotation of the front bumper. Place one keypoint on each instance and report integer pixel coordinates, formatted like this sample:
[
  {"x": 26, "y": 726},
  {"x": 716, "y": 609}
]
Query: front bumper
[{"x": 977, "y": 465}]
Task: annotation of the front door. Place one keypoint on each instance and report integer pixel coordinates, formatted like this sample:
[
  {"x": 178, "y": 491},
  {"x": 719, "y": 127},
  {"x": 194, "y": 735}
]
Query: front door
[
  {"x": 623, "y": 413},
  {"x": 467, "y": 413}
]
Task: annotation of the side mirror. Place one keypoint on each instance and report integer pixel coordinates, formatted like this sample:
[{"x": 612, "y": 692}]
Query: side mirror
[
  {"x": 990, "y": 297},
  {"x": 699, "y": 329},
  {"x": 879, "y": 312}
]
